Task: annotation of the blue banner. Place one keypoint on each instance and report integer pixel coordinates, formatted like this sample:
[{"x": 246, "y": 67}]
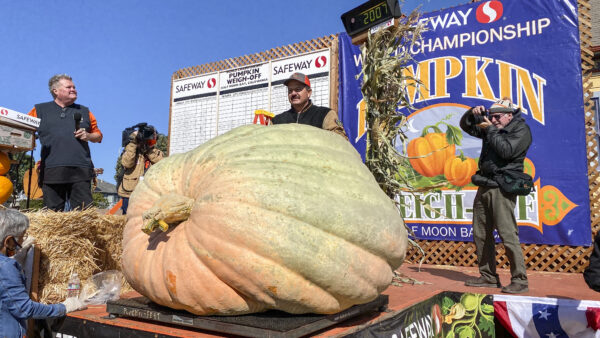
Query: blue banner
[
  {"x": 350, "y": 97},
  {"x": 475, "y": 54}
]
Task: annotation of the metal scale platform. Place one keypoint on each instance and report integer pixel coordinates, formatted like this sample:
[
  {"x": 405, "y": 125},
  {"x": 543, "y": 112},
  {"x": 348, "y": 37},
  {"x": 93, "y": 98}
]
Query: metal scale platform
[{"x": 266, "y": 324}]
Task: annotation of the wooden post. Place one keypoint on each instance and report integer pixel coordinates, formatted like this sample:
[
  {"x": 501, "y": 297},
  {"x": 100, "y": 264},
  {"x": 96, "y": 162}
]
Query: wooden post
[{"x": 33, "y": 292}]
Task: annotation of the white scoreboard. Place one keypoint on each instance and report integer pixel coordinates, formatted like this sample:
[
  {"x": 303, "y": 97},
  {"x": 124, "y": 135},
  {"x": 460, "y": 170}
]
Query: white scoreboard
[{"x": 211, "y": 104}]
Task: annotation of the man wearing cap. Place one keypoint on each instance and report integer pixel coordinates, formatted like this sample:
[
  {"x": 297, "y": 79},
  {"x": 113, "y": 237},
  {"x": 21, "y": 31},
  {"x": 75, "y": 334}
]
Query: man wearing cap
[
  {"x": 506, "y": 138},
  {"x": 303, "y": 111}
]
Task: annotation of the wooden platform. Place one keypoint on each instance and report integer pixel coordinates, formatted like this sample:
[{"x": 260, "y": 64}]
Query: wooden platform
[{"x": 432, "y": 279}]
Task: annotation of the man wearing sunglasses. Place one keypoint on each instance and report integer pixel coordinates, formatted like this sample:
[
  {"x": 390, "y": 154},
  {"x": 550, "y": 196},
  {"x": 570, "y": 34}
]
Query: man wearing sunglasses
[
  {"x": 303, "y": 111},
  {"x": 505, "y": 140}
]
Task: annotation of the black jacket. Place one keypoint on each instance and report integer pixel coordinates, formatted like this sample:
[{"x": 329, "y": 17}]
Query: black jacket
[
  {"x": 312, "y": 115},
  {"x": 320, "y": 117},
  {"x": 591, "y": 275},
  {"x": 502, "y": 149}
]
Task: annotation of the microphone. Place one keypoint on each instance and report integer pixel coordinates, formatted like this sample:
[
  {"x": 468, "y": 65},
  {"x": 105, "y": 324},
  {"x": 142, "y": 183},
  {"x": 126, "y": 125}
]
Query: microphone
[{"x": 77, "y": 118}]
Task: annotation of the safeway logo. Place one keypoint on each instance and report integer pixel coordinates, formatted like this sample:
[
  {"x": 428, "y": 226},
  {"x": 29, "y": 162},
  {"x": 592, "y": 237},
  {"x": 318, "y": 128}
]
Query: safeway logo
[
  {"x": 489, "y": 11},
  {"x": 211, "y": 82},
  {"x": 321, "y": 61},
  {"x": 3, "y": 111}
]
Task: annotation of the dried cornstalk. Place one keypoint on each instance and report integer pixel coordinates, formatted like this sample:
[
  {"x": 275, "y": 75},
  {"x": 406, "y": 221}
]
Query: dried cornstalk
[
  {"x": 385, "y": 55},
  {"x": 385, "y": 85}
]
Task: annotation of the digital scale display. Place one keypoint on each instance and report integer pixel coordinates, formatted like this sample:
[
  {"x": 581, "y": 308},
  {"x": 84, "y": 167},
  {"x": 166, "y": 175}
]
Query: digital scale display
[{"x": 369, "y": 14}]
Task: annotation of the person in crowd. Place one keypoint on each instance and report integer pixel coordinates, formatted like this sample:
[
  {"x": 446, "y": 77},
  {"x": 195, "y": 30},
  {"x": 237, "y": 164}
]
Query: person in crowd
[
  {"x": 506, "y": 137},
  {"x": 591, "y": 274},
  {"x": 139, "y": 155},
  {"x": 65, "y": 129},
  {"x": 15, "y": 305},
  {"x": 303, "y": 111}
]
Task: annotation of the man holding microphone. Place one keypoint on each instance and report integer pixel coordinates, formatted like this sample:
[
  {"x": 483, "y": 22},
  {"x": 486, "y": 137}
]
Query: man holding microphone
[{"x": 65, "y": 129}]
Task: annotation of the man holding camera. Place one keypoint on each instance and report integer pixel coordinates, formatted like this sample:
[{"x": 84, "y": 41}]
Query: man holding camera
[
  {"x": 65, "y": 129},
  {"x": 303, "y": 111},
  {"x": 139, "y": 155},
  {"x": 506, "y": 138}
]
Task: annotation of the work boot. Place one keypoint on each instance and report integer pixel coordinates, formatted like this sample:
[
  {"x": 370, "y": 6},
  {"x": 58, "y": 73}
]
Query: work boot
[
  {"x": 482, "y": 282},
  {"x": 515, "y": 288}
]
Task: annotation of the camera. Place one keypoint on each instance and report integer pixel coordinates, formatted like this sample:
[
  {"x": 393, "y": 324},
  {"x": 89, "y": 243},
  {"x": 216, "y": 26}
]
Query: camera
[
  {"x": 477, "y": 119},
  {"x": 145, "y": 133}
]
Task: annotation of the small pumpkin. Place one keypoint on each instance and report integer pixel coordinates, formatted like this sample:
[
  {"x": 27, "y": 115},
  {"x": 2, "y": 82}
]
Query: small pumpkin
[
  {"x": 429, "y": 153},
  {"x": 281, "y": 217},
  {"x": 6, "y": 189},
  {"x": 4, "y": 163},
  {"x": 458, "y": 171},
  {"x": 34, "y": 191}
]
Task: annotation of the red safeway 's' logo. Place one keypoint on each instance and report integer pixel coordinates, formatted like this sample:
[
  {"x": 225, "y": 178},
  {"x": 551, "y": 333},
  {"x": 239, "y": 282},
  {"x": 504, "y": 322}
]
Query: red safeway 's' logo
[
  {"x": 4, "y": 112},
  {"x": 321, "y": 61},
  {"x": 211, "y": 82},
  {"x": 489, "y": 11}
]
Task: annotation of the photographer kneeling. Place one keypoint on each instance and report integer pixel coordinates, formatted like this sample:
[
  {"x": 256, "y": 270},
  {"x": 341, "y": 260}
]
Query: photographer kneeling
[{"x": 139, "y": 155}]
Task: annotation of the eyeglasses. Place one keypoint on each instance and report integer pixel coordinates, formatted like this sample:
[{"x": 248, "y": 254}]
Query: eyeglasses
[
  {"x": 17, "y": 242},
  {"x": 297, "y": 89},
  {"x": 496, "y": 116}
]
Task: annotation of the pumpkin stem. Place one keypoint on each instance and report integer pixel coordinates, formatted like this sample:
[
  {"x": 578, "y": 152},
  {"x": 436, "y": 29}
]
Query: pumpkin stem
[
  {"x": 435, "y": 128},
  {"x": 169, "y": 210}
]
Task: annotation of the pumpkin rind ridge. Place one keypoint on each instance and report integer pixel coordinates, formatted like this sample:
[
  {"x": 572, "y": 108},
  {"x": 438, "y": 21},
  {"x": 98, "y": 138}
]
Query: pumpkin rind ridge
[{"x": 321, "y": 193}]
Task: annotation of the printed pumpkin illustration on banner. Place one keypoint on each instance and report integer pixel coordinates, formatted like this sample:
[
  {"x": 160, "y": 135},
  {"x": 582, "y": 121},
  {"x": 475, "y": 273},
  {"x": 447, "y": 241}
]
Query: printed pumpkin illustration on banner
[
  {"x": 429, "y": 153},
  {"x": 433, "y": 154}
]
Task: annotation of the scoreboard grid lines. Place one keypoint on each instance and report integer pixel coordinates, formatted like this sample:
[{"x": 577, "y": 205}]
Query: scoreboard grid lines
[{"x": 200, "y": 116}]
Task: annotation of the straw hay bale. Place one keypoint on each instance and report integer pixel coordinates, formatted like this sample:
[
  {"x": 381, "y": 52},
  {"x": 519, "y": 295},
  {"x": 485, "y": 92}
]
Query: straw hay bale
[{"x": 86, "y": 242}]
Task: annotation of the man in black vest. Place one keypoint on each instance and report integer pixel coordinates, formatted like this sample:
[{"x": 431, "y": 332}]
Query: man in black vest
[
  {"x": 303, "y": 111},
  {"x": 65, "y": 129}
]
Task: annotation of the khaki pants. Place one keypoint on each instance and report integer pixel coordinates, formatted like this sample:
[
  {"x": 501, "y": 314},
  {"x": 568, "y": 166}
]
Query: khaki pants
[{"x": 494, "y": 209}]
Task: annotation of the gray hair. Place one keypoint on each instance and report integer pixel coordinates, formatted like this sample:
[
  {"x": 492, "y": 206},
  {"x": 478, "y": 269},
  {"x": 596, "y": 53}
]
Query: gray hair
[
  {"x": 12, "y": 223},
  {"x": 53, "y": 82}
]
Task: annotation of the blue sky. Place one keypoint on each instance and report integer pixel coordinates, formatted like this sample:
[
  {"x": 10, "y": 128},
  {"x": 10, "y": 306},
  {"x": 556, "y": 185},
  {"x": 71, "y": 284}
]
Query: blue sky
[{"x": 121, "y": 54}]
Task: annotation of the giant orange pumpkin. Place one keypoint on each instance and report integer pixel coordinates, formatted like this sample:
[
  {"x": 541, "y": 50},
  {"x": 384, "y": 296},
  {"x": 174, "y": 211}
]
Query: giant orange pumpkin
[
  {"x": 282, "y": 217},
  {"x": 458, "y": 171},
  {"x": 434, "y": 149}
]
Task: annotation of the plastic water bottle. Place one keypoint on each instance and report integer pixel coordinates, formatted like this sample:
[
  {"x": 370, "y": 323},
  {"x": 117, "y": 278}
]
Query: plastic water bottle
[{"x": 73, "y": 286}]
